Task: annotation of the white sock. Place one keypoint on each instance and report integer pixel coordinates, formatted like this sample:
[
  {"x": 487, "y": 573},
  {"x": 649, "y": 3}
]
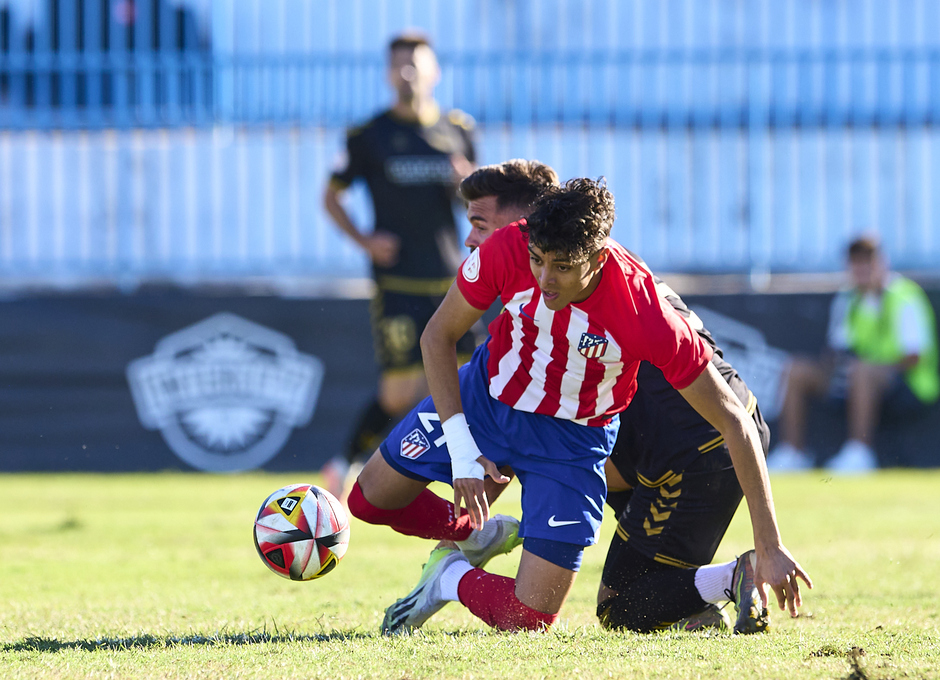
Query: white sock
[
  {"x": 450, "y": 579},
  {"x": 713, "y": 580},
  {"x": 479, "y": 537}
]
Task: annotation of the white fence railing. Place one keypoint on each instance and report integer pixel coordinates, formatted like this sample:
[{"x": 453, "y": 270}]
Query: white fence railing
[
  {"x": 199, "y": 205},
  {"x": 190, "y": 139}
]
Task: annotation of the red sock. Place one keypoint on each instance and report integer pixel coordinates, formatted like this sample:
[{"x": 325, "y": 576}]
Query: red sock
[
  {"x": 427, "y": 516},
  {"x": 493, "y": 599}
]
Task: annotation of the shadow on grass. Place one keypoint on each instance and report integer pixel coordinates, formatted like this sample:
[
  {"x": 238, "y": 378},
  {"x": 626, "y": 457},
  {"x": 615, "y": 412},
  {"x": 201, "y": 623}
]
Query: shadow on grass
[{"x": 41, "y": 644}]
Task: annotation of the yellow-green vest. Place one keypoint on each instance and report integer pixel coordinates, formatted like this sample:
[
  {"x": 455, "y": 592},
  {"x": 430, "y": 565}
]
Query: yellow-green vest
[{"x": 873, "y": 335}]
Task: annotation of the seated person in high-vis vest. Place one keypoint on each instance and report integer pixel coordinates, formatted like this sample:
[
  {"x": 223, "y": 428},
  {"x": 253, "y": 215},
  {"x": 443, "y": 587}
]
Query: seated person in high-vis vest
[{"x": 881, "y": 358}]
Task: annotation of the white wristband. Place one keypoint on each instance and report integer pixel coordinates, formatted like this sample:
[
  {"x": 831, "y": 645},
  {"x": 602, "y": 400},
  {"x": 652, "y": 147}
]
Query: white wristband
[{"x": 462, "y": 449}]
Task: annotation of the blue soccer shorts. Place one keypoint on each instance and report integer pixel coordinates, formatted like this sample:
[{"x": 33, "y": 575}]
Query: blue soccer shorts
[{"x": 560, "y": 464}]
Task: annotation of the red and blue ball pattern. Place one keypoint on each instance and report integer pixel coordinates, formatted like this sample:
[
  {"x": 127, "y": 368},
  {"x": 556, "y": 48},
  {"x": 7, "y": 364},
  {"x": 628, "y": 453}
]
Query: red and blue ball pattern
[{"x": 301, "y": 532}]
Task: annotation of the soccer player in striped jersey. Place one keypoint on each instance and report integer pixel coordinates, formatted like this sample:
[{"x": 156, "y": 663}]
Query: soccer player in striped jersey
[
  {"x": 543, "y": 397},
  {"x": 671, "y": 481}
]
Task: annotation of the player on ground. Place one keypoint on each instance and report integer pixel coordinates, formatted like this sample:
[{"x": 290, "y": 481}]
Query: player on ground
[
  {"x": 673, "y": 484},
  {"x": 411, "y": 157},
  {"x": 682, "y": 491},
  {"x": 543, "y": 396}
]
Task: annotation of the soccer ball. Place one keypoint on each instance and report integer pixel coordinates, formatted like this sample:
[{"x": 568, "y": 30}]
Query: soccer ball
[{"x": 301, "y": 532}]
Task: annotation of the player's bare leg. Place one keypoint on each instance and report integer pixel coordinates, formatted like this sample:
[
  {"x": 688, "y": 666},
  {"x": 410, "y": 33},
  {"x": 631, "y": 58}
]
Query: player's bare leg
[
  {"x": 386, "y": 488},
  {"x": 615, "y": 481},
  {"x": 541, "y": 585},
  {"x": 805, "y": 379},
  {"x": 867, "y": 385}
]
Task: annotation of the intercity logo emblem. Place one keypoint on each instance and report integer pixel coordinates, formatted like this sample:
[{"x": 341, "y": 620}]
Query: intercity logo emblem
[
  {"x": 592, "y": 346},
  {"x": 225, "y": 393}
]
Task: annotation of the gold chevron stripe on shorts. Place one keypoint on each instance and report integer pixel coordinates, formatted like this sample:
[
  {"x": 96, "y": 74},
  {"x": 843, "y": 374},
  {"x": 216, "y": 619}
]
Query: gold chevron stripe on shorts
[
  {"x": 673, "y": 562},
  {"x": 668, "y": 477}
]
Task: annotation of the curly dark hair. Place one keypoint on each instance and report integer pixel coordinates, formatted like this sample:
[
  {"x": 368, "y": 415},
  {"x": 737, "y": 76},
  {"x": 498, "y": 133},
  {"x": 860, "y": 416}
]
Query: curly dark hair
[
  {"x": 574, "y": 219},
  {"x": 515, "y": 183}
]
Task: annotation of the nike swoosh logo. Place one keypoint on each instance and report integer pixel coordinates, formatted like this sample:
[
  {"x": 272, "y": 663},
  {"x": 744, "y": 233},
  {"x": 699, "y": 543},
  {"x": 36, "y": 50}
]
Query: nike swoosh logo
[
  {"x": 522, "y": 313},
  {"x": 552, "y": 522}
]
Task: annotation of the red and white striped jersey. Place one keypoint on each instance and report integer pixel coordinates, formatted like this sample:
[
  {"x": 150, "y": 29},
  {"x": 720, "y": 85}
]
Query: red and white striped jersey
[{"x": 579, "y": 363}]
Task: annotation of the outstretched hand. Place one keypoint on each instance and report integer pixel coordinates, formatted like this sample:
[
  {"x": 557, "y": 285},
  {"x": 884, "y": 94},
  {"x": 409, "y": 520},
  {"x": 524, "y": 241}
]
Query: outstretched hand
[
  {"x": 469, "y": 491},
  {"x": 777, "y": 569}
]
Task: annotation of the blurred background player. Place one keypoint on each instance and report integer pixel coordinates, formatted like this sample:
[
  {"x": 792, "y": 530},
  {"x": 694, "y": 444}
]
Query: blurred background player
[
  {"x": 411, "y": 157},
  {"x": 881, "y": 359},
  {"x": 682, "y": 491}
]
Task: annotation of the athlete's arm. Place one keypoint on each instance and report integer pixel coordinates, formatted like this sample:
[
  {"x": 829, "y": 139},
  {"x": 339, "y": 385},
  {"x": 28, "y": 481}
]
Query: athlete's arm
[
  {"x": 450, "y": 322},
  {"x": 711, "y": 396},
  {"x": 381, "y": 247}
]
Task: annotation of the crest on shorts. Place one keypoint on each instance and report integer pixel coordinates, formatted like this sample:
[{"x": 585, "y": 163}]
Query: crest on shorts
[
  {"x": 592, "y": 346},
  {"x": 414, "y": 444}
]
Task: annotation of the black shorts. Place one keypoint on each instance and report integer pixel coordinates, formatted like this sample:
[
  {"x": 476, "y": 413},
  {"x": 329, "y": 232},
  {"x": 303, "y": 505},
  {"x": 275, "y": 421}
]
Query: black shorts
[
  {"x": 685, "y": 490},
  {"x": 398, "y": 319},
  {"x": 679, "y": 522}
]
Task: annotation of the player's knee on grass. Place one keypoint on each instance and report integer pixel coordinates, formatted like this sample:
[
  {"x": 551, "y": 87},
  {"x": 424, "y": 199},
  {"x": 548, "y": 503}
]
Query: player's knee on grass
[
  {"x": 613, "y": 614},
  {"x": 655, "y": 602},
  {"x": 623, "y": 568},
  {"x": 622, "y": 612},
  {"x": 649, "y": 595}
]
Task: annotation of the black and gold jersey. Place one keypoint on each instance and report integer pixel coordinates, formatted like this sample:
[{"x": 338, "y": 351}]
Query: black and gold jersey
[
  {"x": 408, "y": 169},
  {"x": 660, "y": 432}
]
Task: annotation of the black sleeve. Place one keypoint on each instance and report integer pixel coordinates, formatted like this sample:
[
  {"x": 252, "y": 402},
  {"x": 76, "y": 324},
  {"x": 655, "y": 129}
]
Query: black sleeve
[
  {"x": 353, "y": 165},
  {"x": 468, "y": 136}
]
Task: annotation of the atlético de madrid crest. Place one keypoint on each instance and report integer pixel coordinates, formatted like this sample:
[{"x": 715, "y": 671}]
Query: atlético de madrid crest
[
  {"x": 592, "y": 346},
  {"x": 225, "y": 393}
]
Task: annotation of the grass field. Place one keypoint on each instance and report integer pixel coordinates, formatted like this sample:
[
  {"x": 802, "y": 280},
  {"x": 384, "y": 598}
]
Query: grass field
[{"x": 129, "y": 576}]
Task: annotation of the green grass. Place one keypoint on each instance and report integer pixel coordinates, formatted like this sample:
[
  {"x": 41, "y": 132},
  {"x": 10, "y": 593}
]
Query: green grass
[{"x": 129, "y": 576}]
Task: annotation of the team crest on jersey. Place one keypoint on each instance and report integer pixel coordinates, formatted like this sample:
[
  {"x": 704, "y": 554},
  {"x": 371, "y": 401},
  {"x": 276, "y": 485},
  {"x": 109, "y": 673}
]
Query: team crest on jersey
[
  {"x": 414, "y": 444},
  {"x": 592, "y": 346}
]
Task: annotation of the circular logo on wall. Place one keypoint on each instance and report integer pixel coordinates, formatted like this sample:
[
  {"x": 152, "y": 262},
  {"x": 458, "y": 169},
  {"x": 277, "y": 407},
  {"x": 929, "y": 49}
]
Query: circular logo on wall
[{"x": 225, "y": 393}]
